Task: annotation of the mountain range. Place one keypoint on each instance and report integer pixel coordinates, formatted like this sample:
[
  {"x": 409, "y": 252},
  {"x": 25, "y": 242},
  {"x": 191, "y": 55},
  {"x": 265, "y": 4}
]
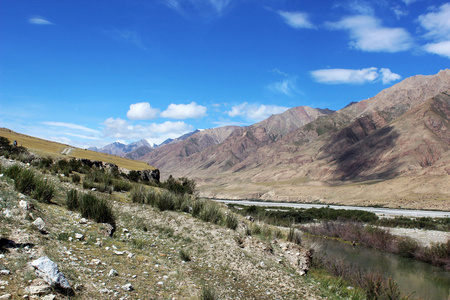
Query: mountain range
[{"x": 397, "y": 141}]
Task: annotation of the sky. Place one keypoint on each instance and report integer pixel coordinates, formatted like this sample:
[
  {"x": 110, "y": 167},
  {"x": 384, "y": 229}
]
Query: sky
[{"x": 89, "y": 73}]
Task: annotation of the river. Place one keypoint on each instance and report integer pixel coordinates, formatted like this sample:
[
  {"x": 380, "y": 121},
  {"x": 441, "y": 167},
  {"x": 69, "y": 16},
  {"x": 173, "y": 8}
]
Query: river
[
  {"x": 423, "y": 280},
  {"x": 380, "y": 211}
]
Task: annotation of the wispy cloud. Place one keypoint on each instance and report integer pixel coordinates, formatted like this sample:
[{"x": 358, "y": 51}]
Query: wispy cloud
[
  {"x": 126, "y": 36},
  {"x": 352, "y": 76},
  {"x": 255, "y": 112},
  {"x": 361, "y": 7},
  {"x": 204, "y": 9},
  {"x": 297, "y": 20},
  {"x": 184, "y": 111},
  {"x": 70, "y": 126},
  {"x": 142, "y": 111},
  {"x": 286, "y": 87},
  {"x": 38, "y": 20},
  {"x": 437, "y": 26},
  {"x": 367, "y": 34}
]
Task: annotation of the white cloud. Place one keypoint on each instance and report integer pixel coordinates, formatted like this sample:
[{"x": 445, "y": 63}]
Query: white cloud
[
  {"x": 358, "y": 6},
  {"x": 387, "y": 76},
  {"x": 126, "y": 36},
  {"x": 70, "y": 126},
  {"x": 142, "y": 111},
  {"x": 351, "y": 76},
  {"x": 367, "y": 34},
  {"x": 184, "y": 111},
  {"x": 296, "y": 20},
  {"x": 408, "y": 2},
  {"x": 441, "y": 48},
  {"x": 256, "y": 112},
  {"x": 437, "y": 23},
  {"x": 154, "y": 132},
  {"x": 37, "y": 20},
  {"x": 286, "y": 87}
]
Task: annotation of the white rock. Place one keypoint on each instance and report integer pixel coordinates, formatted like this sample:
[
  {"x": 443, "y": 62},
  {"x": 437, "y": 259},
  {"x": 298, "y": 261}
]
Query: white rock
[
  {"x": 112, "y": 273},
  {"x": 79, "y": 236},
  {"x": 5, "y": 272},
  {"x": 38, "y": 289},
  {"x": 48, "y": 270},
  {"x": 49, "y": 297},
  {"x": 7, "y": 213},
  {"x": 130, "y": 255},
  {"x": 5, "y": 296},
  {"x": 83, "y": 221},
  {"x": 119, "y": 252},
  {"x": 96, "y": 261},
  {"x": 128, "y": 287},
  {"x": 23, "y": 204},
  {"x": 39, "y": 224}
]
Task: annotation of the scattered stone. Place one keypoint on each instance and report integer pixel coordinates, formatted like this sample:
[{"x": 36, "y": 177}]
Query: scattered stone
[
  {"x": 49, "y": 297},
  {"x": 39, "y": 224},
  {"x": 5, "y": 296},
  {"x": 38, "y": 289},
  {"x": 119, "y": 252},
  {"x": 107, "y": 230},
  {"x": 96, "y": 261},
  {"x": 99, "y": 244},
  {"x": 7, "y": 213},
  {"x": 112, "y": 273},
  {"x": 125, "y": 230},
  {"x": 78, "y": 287},
  {"x": 79, "y": 236},
  {"x": 128, "y": 287},
  {"x": 48, "y": 270},
  {"x": 70, "y": 239},
  {"x": 5, "y": 272},
  {"x": 23, "y": 204},
  {"x": 4, "y": 282},
  {"x": 130, "y": 255},
  {"x": 83, "y": 221},
  {"x": 160, "y": 283}
]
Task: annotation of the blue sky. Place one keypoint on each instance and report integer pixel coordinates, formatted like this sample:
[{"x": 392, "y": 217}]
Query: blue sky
[{"x": 88, "y": 73}]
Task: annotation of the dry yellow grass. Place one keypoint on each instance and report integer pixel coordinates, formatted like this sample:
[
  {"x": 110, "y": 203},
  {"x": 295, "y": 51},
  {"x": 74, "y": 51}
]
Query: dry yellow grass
[{"x": 55, "y": 150}]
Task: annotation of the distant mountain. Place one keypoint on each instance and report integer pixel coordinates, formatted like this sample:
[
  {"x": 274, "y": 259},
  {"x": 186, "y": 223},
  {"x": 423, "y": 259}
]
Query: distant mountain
[
  {"x": 120, "y": 149},
  {"x": 137, "y": 150},
  {"x": 402, "y": 131}
]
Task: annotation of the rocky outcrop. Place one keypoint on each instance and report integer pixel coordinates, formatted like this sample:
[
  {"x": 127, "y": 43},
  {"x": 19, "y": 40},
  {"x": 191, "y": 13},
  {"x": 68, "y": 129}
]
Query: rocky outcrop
[{"x": 48, "y": 270}]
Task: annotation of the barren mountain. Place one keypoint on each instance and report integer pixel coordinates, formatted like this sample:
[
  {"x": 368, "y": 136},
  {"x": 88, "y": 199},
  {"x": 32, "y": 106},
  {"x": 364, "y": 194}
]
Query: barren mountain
[
  {"x": 402, "y": 132},
  {"x": 221, "y": 154}
]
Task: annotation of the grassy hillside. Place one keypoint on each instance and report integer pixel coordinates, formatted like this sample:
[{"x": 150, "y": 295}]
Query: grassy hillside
[{"x": 57, "y": 150}]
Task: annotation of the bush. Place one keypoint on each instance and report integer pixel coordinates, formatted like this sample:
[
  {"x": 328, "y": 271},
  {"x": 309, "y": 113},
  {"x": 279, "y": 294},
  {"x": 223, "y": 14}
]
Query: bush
[
  {"x": 231, "y": 221},
  {"x": 294, "y": 236},
  {"x": 24, "y": 182},
  {"x": 43, "y": 190},
  {"x": 197, "y": 207},
  {"x": 72, "y": 200},
  {"x": 138, "y": 194},
  {"x": 76, "y": 178},
  {"x": 211, "y": 213},
  {"x": 97, "y": 209},
  {"x": 181, "y": 185},
  {"x": 207, "y": 293},
  {"x": 121, "y": 185},
  {"x": 184, "y": 255}
]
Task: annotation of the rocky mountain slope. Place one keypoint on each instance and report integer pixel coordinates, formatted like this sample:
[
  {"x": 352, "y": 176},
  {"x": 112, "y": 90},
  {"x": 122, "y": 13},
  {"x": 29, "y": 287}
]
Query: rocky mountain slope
[{"x": 402, "y": 131}]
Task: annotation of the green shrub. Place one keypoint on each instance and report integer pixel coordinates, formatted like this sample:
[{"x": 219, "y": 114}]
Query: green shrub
[
  {"x": 97, "y": 209},
  {"x": 43, "y": 190},
  {"x": 138, "y": 194},
  {"x": 13, "y": 171},
  {"x": 294, "y": 236},
  {"x": 72, "y": 200},
  {"x": 231, "y": 221},
  {"x": 181, "y": 185},
  {"x": 197, "y": 207},
  {"x": 185, "y": 255},
  {"x": 24, "y": 182},
  {"x": 121, "y": 185},
  {"x": 76, "y": 178},
  {"x": 207, "y": 293},
  {"x": 211, "y": 212}
]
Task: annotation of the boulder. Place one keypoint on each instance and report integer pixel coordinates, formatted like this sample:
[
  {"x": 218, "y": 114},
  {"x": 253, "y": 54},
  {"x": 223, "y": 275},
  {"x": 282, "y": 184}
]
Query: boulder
[
  {"x": 49, "y": 272},
  {"x": 39, "y": 224}
]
